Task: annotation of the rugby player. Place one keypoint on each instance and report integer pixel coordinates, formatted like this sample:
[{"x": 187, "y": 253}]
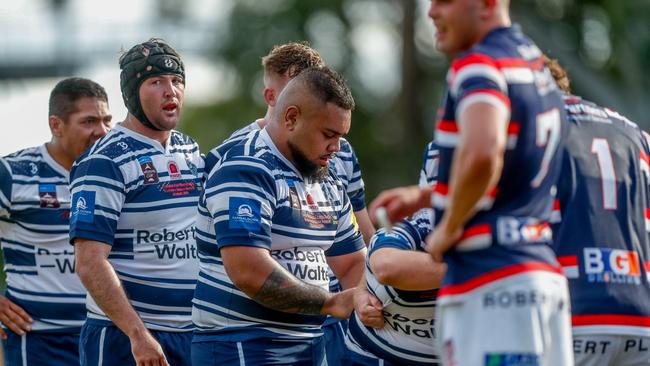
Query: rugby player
[
  {"x": 273, "y": 218},
  {"x": 43, "y": 307},
  {"x": 134, "y": 197},
  {"x": 600, "y": 232},
  {"x": 504, "y": 297}
]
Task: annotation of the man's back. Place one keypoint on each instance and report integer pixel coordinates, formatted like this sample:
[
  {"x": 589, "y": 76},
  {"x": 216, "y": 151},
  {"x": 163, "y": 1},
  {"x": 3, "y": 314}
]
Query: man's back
[{"x": 602, "y": 239}]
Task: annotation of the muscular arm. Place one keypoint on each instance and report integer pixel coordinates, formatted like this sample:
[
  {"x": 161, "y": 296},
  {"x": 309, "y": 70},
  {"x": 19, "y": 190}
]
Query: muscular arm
[
  {"x": 477, "y": 162},
  {"x": 101, "y": 281},
  {"x": 365, "y": 225},
  {"x": 264, "y": 280},
  {"x": 406, "y": 269},
  {"x": 348, "y": 268}
]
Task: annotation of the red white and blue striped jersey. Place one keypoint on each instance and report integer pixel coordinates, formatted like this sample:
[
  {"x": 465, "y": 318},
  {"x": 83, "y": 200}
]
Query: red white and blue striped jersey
[
  {"x": 34, "y": 225},
  {"x": 509, "y": 234},
  {"x": 600, "y": 224}
]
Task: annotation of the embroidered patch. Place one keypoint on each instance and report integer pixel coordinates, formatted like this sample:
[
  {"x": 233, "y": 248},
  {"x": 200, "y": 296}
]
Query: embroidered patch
[
  {"x": 174, "y": 171},
  {"x": 148, "y": 169},
  {"x": 83, "y": 207},
  {"x": 47, "y": 195},
  {"x": 244, "y": 213},
  {"x": 294, "y": 198}
]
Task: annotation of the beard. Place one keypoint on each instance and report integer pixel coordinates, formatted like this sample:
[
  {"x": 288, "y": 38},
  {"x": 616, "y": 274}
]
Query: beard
[{"x": 306, "y": 167}]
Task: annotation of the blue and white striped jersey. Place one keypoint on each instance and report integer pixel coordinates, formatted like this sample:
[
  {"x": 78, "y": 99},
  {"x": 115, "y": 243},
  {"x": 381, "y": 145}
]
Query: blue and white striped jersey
[
  {"x": 34, "y": 224},
  {"x": 429, "y": 170},
  {"x": 345, "y": 163},
  {"x": 140, "y": 197},
  {"x": 256, "y": 197},
  {"x": 408, "y": 334}
]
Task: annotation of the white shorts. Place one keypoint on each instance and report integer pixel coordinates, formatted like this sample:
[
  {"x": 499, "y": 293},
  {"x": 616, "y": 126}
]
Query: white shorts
[
  {"x": 611, "y": 350},
  {"x": 522, "y": 320}
]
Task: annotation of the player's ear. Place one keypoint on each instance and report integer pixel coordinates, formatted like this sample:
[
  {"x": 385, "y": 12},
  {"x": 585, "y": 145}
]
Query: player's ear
[
  {"x": 269, "y": 97},
  {"x": 56, "y": 126},
  {"x": 291, "y": 116}
]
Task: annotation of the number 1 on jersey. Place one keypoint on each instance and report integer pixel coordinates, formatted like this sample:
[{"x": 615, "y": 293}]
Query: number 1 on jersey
[{"x": 600, "y": 147}]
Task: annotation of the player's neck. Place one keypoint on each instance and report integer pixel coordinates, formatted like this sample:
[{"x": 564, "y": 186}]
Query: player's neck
[
  {"x": 58, "y": 153},
  {"x": 279, "y": 140},
  {"x": 133, "y": 124}
]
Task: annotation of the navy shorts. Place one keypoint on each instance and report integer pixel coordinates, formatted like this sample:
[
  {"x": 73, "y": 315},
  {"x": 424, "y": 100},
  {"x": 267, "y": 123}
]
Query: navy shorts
[
  {"x": 336, "y": 352},
  {"x": 41, "y": 349},
  {"x": 261, "y": 351},
  {"x": 109, "y": 346}
]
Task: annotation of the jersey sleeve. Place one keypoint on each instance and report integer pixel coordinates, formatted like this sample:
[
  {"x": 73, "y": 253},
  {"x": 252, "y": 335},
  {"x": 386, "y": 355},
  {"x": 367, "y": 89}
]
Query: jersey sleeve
[
  {"x": 348, "y": 238},
  {"x": 409, "y": 234},
  {"x": 6, "y": 182},
  {"x": 98, "y": 194},
  {"x": 211, "y": 159},
  {"x": 240, "y": 198},
  {"x": 355, "y": 188},
  {"x": 477, "y": 78},
  {"x": 429, "y": 170}
]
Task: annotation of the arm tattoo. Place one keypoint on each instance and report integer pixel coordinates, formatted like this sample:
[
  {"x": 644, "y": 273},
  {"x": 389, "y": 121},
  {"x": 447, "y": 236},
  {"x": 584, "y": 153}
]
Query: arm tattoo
[{"x": 283, "y": 292}]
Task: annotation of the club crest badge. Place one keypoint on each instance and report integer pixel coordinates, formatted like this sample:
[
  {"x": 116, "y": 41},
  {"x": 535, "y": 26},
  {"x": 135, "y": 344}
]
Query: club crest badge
[
  {"x": 149, "y": 170},
  {"x": 173, "y": 170},
  {"x": 47, "y": 196},
  {"x": 294, "y": 198}
]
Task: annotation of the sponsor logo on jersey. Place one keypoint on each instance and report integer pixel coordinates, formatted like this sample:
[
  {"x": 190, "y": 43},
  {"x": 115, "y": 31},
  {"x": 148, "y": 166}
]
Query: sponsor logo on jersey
[
  {"x": 512, "y": 230},
  {"x": 148, "y": 169},
  {"x": 606, "y": 265},
  {"x": 147, "y": 236},
  {"x": 83, "y": 207},
  {"x": 418, "y": 327},
  {"x": 513, "y": 299},
  {"x": 174, "y": 171},
  {"x": 47, "y": 195},
  {"x": 307, "y": 264},
  {"x": 511, "y": 359},
  {"x": 244, "y": 213}
]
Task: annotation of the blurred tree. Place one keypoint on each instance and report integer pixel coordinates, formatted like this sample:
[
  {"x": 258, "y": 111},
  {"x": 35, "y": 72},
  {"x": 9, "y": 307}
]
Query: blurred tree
[
  {"x": 388, "y": 131},
  {"x": 603, "y": 43}
]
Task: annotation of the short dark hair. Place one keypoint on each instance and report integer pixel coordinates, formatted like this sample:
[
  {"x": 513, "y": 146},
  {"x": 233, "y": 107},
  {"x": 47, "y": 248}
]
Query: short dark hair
[
  {"x": 293, "y": 57},
  {"x": 70, "y": 90},
  {"x": 328, "y": 86}
]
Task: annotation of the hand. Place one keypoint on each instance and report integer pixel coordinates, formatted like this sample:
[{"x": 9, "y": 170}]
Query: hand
[
  {"x": 147, "y": 351},
  {"x": 340, "y": 304},
  {"x": 440, "y": 241},
  {"x": 368, "y": 308},
  {"x": 400, "y": 202},
  {"x": 14, "y": 318}
]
